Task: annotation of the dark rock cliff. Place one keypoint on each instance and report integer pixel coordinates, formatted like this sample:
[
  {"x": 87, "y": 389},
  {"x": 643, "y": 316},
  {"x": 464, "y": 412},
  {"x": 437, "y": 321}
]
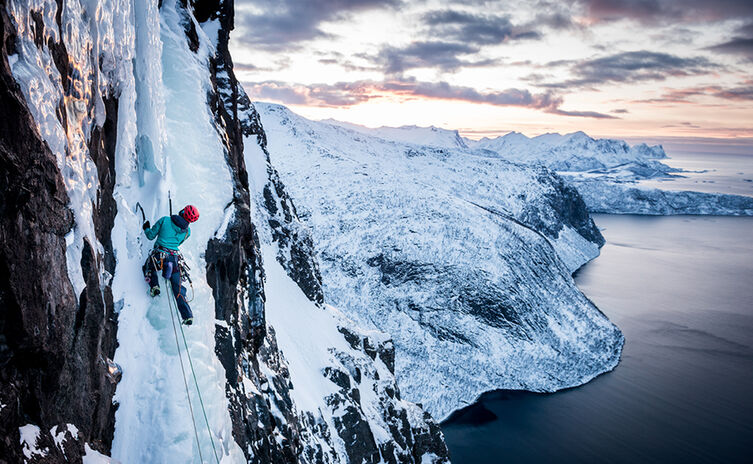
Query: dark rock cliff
[
  {"x": 567, "y": 208},
  {"x": 54, "y": 345},
  {"x": 235, "y": 273}
]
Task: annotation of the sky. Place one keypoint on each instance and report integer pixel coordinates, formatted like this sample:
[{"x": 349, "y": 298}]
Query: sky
[{"x": 618, "y": 68}]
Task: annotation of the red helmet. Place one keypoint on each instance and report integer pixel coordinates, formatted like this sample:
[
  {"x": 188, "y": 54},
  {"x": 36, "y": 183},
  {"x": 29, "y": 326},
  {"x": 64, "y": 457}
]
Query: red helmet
[{"x": 190, "y": 213}]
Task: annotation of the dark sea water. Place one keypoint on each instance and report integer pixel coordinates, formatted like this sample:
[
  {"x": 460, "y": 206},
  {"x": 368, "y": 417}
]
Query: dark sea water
[{"x": 681, "y": 290}]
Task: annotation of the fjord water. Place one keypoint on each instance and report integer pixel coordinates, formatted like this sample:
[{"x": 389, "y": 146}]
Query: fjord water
[
  {"x": 711, "y": 172},
  {"x": 681, "y": 290}
]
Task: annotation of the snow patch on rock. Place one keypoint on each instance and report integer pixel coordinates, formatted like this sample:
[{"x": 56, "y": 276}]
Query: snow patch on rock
[
  {"x": 95, "y": 457},
  {"x": 29, "y": 437}
]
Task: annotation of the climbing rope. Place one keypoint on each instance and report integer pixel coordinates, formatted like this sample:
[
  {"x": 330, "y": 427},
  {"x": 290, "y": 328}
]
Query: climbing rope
[
  {"x": 185, "y": 382},
  {"x": 168, "y": 290},
  {"x": 198, "y": 391}
]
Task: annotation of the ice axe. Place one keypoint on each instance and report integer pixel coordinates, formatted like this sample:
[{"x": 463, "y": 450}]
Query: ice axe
[{"x": 143, "y": 216}]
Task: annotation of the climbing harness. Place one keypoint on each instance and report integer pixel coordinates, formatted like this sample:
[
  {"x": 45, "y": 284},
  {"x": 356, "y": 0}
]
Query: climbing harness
[
  {"x": 183, "y": 267},
  {"x": 174, "y": 309}
]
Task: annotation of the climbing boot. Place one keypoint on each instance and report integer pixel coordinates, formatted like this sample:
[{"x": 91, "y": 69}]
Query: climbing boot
[
  {"x": 188, "y": 321},
  {"x": 154, "y": 291}
]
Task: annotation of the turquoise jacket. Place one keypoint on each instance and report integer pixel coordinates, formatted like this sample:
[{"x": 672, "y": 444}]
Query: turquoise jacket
[{"x": 168, "y": 234}]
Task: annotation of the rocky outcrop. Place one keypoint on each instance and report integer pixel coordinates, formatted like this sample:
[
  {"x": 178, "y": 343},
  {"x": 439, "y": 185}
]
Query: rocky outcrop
[
  {"x": 241, "y": 119},
  {"x": 54, "y": 345},
  {"x": 296, "y": 249},
  {"x": 414, "y": 433},
  {"x": 235, "y": 273},
  {"x": 567, "y": 208}
]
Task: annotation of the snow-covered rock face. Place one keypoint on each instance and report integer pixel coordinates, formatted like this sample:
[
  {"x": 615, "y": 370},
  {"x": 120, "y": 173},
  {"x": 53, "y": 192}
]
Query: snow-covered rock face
[
  {"x": 94, "y": 42},
  {"x": 132, "y": 100},
  {"x": 59, "y": 77},
  {"x": 464, "y": 259}
]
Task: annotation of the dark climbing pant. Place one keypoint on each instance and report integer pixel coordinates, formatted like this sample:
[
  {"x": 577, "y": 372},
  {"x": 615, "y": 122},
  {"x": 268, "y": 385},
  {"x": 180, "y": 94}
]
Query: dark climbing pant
[{"x": 171, "y": 272}]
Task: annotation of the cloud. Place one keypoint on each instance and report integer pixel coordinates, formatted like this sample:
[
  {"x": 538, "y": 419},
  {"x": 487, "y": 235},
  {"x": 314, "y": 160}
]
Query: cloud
[
  {"x": 628, "y": 67},
  {"x": 279, "y": 64},
  {"x": 352, "y": 93},
  {"x": 478, "y": 29},
  {"x": 446, "y": 91},
  {"x": 738, "y": 45},
  {"x": 743, "y": 93},
  {"x": 741, "y": 44},
  {"x": 682, "y": 125},
  {"x": 335, "y": 95},
  {"x": 582, "y": 114},
  {"x": 447, "y": 56},
  {"x": 666, "y": 11},
  {"x": 282, "y": 25},
  {"x": 453, "y": 39},
  {"x": 245, "y": 67},
  {"x": 555, "y": 20}
]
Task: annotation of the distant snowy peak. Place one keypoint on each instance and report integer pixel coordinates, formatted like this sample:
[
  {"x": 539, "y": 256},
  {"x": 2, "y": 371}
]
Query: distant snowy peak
[
  {"x": 427, "y": 136},
  {"x": 576, "y": 151}
]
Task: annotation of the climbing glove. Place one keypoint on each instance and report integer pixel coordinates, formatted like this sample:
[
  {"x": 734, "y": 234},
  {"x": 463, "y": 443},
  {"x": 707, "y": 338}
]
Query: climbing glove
[{"x": 146, "y": 225}]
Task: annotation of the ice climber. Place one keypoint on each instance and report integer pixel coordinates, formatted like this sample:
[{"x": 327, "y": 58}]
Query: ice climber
[{"x": 170, "y": 232}]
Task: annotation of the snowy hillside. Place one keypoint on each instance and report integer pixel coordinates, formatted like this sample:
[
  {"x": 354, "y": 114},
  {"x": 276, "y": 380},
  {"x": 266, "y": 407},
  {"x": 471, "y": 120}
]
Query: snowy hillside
[
  {"x": 570, "y": 152},
  {"x": 463, "y": 259},
  {"x": 119, "y": 103}
]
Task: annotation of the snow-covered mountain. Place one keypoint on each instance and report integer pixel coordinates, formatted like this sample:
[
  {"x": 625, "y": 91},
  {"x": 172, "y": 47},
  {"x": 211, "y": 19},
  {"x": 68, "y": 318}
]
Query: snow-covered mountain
[
  {"x": 570, "y": 152},
  {"x": 428, "y": 136},
  {"x": 464, "y": 259},
  {"x": 606, "y": 172},
  {"x": 113, "y": 103}
]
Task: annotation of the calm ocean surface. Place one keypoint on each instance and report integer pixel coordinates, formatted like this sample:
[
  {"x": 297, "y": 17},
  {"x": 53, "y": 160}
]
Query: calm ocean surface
[
  {"x": 709, "y": 172},
  {"x": 681, "y": 290}
]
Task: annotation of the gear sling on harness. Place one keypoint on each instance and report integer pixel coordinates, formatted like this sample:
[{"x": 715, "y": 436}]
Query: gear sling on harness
[{"x": 173, "y": 268}]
